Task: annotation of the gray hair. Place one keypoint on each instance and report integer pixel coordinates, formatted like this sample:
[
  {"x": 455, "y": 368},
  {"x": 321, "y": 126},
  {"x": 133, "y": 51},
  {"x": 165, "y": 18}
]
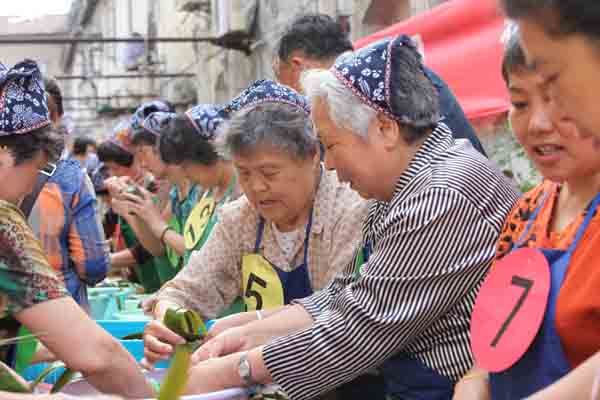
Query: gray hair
[
  {"x": 278, "y": 125},
  {"x": 345, "y": 109},
  {"x": 413, "y": 96}
]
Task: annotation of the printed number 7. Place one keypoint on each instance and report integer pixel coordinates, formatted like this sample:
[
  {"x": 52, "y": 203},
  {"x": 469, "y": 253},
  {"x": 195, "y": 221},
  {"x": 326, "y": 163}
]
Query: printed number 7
[
  {"x": 253, "y": 293},
  {"x": 525, "y": 284}
]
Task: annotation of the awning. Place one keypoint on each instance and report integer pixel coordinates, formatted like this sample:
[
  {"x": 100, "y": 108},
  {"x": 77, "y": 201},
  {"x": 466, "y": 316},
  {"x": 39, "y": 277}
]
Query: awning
[{"x": 461, "y": 43}]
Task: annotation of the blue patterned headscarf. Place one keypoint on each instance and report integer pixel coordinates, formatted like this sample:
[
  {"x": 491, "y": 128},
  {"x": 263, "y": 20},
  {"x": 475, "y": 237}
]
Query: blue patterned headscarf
[
  {"x": 268, "y": 91},
  {"x": 157, "y": 121},
  {"x": 23, "y": 103},
  {"x": 206, "y": 118},
  {"x": 140, "y": 114},
  {"x": 121, "y": 136},
  {"x": 367, "y": 73}
]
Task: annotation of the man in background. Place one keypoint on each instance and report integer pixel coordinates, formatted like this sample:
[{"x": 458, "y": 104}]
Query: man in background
[{"x": 316, "y": 40}]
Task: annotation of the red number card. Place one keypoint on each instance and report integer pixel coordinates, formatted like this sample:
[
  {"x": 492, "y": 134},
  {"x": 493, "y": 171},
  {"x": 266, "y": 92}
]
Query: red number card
[{"x": 509, "y": 309}]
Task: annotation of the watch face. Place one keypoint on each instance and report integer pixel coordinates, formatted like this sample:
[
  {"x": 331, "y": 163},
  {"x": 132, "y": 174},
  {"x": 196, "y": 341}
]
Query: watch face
[{"x": 244, "y": 369}]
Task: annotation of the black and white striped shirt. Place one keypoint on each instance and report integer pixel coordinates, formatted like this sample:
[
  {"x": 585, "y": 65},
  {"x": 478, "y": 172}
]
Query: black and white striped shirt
[{"x": 432, "y": 245}]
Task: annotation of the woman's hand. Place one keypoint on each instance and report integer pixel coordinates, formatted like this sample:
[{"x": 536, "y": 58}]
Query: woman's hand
[
  {"x": 232, "y": 321},
  {"x": 159, "y": 342},
  {"x": 120, "y": 207},
  {"x": 115, "y": 186},
  {"x": 143, "y": 206},
  {"x": 231, "y": 341},
  {"x": 472, "y": 388}
]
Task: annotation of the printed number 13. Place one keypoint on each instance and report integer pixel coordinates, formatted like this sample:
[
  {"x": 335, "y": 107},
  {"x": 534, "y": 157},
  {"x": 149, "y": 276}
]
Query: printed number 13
[{"x": 526, "y": 284}]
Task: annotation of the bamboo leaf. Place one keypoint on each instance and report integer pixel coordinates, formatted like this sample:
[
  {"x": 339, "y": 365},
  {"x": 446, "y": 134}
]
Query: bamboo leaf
[
  {"x": 134, "y": 336},
  {"x": 176, "y": 379},
  {"x": 10, "y": 381},
  {"x": 187, "y": 324},
  {"x": 65, "y": 378},
  {"x": 41, "y": 377}
]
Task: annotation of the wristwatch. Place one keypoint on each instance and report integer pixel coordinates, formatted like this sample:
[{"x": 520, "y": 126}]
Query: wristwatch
[{"x": 244, "y": 369}]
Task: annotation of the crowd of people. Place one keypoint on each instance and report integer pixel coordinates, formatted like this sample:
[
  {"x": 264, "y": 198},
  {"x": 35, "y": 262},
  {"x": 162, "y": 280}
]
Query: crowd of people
[{"x": 342, "y": 225}]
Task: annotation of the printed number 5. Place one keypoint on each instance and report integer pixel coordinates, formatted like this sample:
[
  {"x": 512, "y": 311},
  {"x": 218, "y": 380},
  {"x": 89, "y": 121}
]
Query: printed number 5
[
  {"x": 526, "y": 284},
  {"x": 253, "y": 293}
]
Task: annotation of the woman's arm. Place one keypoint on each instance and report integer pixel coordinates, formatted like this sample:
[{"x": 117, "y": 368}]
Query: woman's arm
[
  {"x": 576, "y": 385},
  {"x": 122, "y": 259},
  {"x": 473, "y": 386},
  {"x": 85, "y": 347},
  {"x": 143, "y": 232}
]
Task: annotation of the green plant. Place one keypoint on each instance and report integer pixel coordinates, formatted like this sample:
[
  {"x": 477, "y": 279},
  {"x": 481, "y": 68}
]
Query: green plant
[{"x": 512, "y": 160}]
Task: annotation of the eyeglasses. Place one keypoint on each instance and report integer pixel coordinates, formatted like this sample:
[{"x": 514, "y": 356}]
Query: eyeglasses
[{"x": 48, "y": 170}]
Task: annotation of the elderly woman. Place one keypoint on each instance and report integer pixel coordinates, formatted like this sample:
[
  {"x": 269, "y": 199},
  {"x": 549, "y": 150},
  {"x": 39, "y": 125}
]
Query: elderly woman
[
  {"x": 428, "y": 240},
  {"x": 558, "y": 218},
  {"x": 291, "y": 233},
  {"x": 30, "y": 292},
  {"x": 561, "y": 41}
]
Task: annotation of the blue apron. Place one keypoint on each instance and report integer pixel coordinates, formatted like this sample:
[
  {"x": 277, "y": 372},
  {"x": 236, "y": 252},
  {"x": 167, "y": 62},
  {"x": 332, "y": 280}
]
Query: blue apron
[
  {"x": 406, "y": 377},
  {"x": 268, "y": 286},
  {"x": 545, "y": 361}
]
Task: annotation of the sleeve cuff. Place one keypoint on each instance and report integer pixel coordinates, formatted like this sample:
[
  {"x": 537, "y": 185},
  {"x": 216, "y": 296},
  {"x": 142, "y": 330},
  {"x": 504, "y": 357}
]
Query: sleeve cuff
[{"x": 314, "y": 304}]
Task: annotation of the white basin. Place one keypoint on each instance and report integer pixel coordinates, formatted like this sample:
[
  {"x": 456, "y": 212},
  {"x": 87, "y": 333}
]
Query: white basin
[{"x": 80, "y": 387}]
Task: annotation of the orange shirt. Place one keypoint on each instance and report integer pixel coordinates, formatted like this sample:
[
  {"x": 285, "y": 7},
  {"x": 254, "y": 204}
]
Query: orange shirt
[{"x": 578, "y": 307}]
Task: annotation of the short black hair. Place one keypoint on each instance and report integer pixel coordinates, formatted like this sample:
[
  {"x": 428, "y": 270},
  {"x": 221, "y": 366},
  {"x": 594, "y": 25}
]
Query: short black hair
[
  {"x": 558, "y": 17},
  {"x": 53, "y": 90},
  {"x": 27, "y": 146},
  {"x": 111, "y": 152},
  {"x": 317, "y": 35},
  {"x": 81, "y": 143},
  {"x": 513, "y": 59},
  {"x": 144, "y": 138},
  {"x": 180, "y": 142}
]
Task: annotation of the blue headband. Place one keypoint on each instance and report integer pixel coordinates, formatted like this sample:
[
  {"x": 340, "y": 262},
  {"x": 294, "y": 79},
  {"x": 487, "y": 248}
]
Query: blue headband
[
  {"x": 268, "y": 91},
  {"x": 157, "y": 121},
  {"x": 367, "y": 73},
  {"x": 23, "y": 103},
  {"x": 146, "y": 109},
  {"x": 206, "y": 118}
]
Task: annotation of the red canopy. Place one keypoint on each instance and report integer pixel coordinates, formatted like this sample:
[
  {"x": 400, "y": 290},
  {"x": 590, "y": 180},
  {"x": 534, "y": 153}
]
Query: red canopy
[{"x": 461, "y": 40}]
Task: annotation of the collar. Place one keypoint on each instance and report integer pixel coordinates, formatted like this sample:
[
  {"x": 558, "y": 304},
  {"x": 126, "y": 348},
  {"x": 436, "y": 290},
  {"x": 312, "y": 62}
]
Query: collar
[{"x": 438, "y": 142}]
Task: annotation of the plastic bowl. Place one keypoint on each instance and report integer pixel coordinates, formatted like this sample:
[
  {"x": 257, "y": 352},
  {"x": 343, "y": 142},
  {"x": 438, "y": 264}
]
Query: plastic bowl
[{"x": 135, "y": 315}]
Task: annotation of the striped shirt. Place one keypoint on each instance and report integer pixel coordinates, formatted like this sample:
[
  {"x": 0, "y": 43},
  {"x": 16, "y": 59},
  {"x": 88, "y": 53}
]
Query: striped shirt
[{"x": 431, "y": 247}]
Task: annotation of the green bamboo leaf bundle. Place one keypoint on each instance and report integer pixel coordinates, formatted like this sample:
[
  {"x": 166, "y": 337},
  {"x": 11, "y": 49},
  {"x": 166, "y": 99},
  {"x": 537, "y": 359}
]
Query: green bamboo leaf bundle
[{"x": 187, "y": 324}]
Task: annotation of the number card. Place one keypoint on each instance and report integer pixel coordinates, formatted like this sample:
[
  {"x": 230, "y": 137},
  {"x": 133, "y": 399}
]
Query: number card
[{"x": 509, "y": 309}]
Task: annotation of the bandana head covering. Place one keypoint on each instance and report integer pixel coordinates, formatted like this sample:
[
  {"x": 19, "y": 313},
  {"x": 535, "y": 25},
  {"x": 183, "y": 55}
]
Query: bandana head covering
[
  {"x": 23, "y": 104},
  {"x": 146, "y": 109},
  {"x": 157, "y": 121},
  {"x": 268, "y": 91},
  {"x": 121, "y": 136},
  {"x": 367, "y": 73},
  {"x": 206, "y": 118}
]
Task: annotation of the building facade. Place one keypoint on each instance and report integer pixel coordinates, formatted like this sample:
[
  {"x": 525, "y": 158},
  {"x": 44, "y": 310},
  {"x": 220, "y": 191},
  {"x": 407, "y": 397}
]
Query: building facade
[{"x": 189, "y": 72}]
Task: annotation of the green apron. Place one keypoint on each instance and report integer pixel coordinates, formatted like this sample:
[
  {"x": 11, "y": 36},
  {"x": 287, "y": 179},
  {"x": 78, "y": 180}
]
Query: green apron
[
  {"x": 198, "y": 227},
  {"x": 146, "y": 273}
]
